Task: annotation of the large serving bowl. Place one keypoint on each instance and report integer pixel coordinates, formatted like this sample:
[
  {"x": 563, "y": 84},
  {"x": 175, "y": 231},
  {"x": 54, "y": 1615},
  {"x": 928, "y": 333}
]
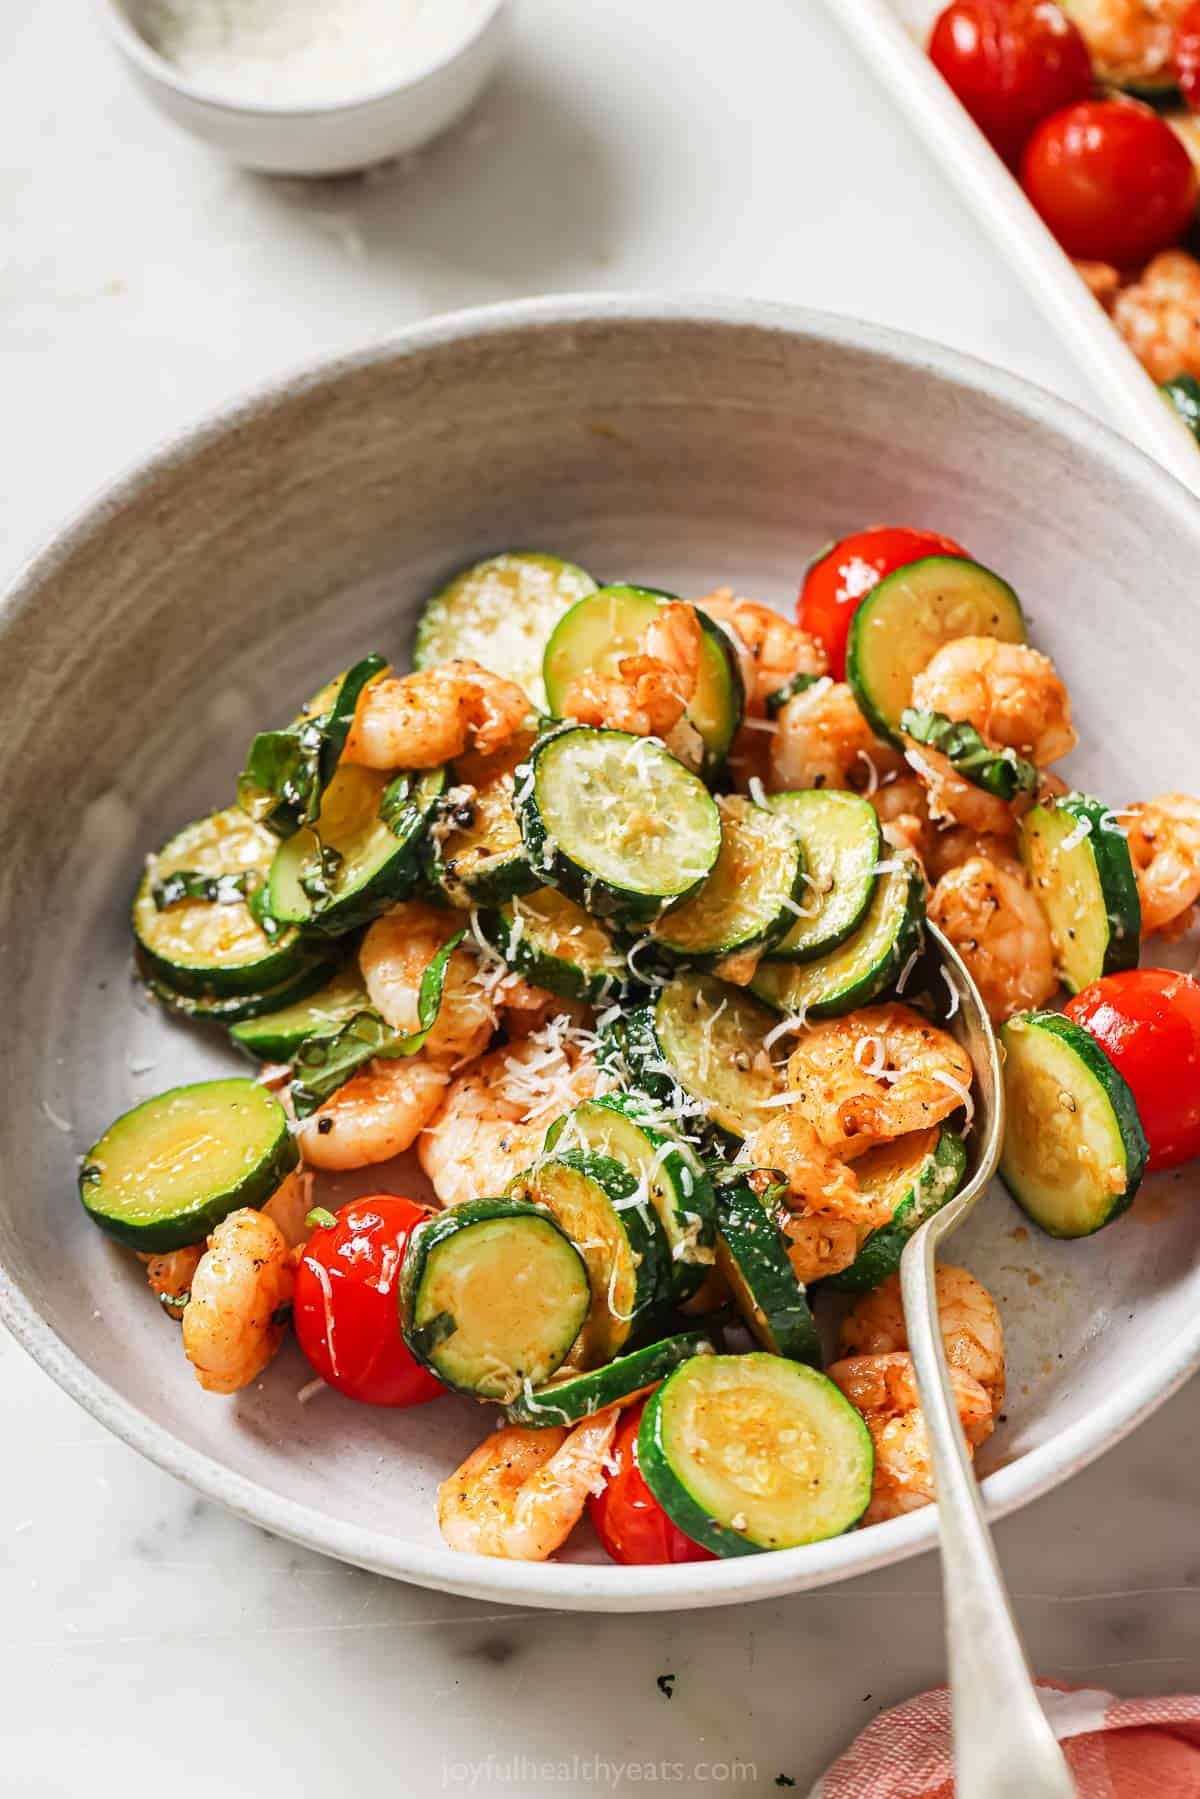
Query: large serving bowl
[{"x": 678, "y": 444}]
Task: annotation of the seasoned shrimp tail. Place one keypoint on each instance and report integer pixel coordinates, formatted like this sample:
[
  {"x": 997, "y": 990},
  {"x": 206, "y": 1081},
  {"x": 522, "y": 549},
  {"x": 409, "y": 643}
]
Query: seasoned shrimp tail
[
  {"x": 232, "y": 1325},
  {"x": 522, "y": 1492}
]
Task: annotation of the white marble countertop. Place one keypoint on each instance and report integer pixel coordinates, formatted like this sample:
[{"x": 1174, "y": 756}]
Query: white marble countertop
[{"x": 149, "y": 1643}]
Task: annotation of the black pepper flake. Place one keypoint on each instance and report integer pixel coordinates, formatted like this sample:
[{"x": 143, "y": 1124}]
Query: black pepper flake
[
  {"x": 666, "y": 1685},
  {"x": 324, "y": 1126},
  {"x": 784, "y": 1780}
]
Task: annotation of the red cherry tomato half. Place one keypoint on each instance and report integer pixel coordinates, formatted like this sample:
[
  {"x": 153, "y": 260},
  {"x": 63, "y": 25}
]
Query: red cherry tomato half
[
  {"x": 345, "y": 1307},
  {"x": 1111, "y": 180},
  {"x": 1147, "y": 1022},
  {"x": 847, "y": 571},
  {"x": 1011, "y": 63},
  {"x": 1187, "y": 55},
  {"x": 629, "y": 1520}
]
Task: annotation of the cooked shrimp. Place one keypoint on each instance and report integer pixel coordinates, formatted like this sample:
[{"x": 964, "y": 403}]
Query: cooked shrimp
[
  {"x": 649, "y": 693},
  {"x": 170, "y": 1276},
  {"x": 522, "y": 1492},
  {"x": 903, "y": 808},
  {"x": 952, "y": 798},
  {"x": 231, "y": 1324},
  {"x": 955, "y": 844},
  {"x": 425, "y": 719},
  {"x": 876, "y": 1074},
  {"x": 1012, "y": 694},
  {"x": 770, "y": 649},
  {"x": 1164, "y": 842},
  {"x": 290, "y": 1205},
  {"x": 817, "y": 1181},
  {"x": 1101, "y": 279},
  {"x": 819, "y": 1246},
  {"x": 492, "y": 1121},
  {"x": 823, "y": 740},
  {"x": 970, "y": 1325},
  {"x": 1131, "y": 41},
  {"x": 990, "y": 914},
  {"x": 1158, "y": 315},
  {"x": 378, "y": 1114},
  {"x": 883, "y": 1389},
  {"x": 393, "y": 957}
]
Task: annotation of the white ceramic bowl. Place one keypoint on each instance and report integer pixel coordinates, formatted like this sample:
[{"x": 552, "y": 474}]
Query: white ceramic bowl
[
  {"x": 331, "y": 139},
  {"x": 682, "y": 444}
]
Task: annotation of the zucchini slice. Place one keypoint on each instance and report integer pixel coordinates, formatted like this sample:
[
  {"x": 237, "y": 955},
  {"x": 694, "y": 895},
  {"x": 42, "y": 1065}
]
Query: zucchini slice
[
  {"x": 236, "y": 1008},
  {"x": 668, "y": 1170},
  {"x": 1082, "y": 872},
  {"x": 598, "y": 1205},
  {"x": 572, "y": 1397},
  {"x": 842, "y": 843},
  {"x": 1182, "y": 394},
  {"x": 753, "y": 1452},
  {"x": 555, "y": 944},
  {"x": 1074, "y": 1149},
  {"x": 165, "y": 1174},
  {"x": 616, "y": 821},
  {"x": 492, "y": 1296},
  {"x": 911, "y": 613},
  {"x": 478, "y": 857},
  {"x": 866, "y": 964},
  {"x": 212, "y": 945},
  {"x": 697, "y": 1049},
  {"x": 611, "y": 624},
  {"x": 752, "y": 1255},
  {"x": 918, "y": 1174},
  {"x": 287, "y": 771},
  {"x": 501, "y": 612},
  {"x": 361, "y": 856},
  {"x": 276, "y": 1035},
  {"x": 1000, "y": 772},
  {"x": 750, "y": 899}
]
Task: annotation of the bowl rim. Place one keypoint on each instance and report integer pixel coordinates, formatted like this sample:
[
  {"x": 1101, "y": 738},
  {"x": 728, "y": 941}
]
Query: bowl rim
[
  {"x": 576, "y": 1586},
  {"x": 160, "y": 70}
]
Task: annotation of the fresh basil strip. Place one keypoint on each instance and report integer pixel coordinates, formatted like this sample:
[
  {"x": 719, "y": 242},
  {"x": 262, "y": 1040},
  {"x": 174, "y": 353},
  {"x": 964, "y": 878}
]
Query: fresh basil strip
[
  {"x": 323, "y": 1064},
  {"x": 190, "y": 884},
  {"x": 999, "y": 772}
]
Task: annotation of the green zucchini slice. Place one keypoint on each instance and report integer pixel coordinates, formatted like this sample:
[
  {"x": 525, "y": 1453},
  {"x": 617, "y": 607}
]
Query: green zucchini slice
[
  {"x": 571, "y": 1397},
  {"x": 697, "y": 1050},
  {"x": 751, "y": 898},
  {"x": 1182, "y": 394},
  {"x": 752, "y": 1255},
  {"x": 598, "y": 1205},
  {"x": 237, "y": 1008},
  {"x": 1082, "y": 872},
  {"x": 616, "y": 821},
  {"x": 911, "y": 613},
  {"x": 555, "y": 944},
  {"x": 1000, "y": 772},
  {"x": 917, "y": 1174},
  {"x": 287, "y": 771},
  {"x": 166, "y": 1173},
  {"x": 478, "y": 858},
  {"x": 362, "y": 855},
  {"x": 501, "y": 613},
  {"x": 623, "y": 1127},
  {"x": 754, "y": 1452},
  {"x": 611, "y": 624},
  {"x": 1074, "y": 1149},
  {"x": 212, "y": 945},
  {"x": 842, "y": 844},
  {"x": 276, "y": 1035},
  {"x": 492, "y": 1296},
  {"x": 866, "y": 964}
]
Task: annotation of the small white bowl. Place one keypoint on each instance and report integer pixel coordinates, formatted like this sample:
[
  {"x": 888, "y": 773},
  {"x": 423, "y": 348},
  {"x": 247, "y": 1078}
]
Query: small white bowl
[{"x": 330, "y": 139}]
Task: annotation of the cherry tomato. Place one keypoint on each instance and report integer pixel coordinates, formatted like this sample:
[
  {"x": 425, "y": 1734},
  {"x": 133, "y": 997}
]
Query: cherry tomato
[
  {"x": 1011, "y": 63},
  {"x": 1147, "y": 1022},
  {"x": 846, "y": 573},
  {"x": 629, "y": 1520},
  {"x": 1187, "y": 55},
  {"x": 1111, "y": 180},
  {"x": 345, "y": 1309}
]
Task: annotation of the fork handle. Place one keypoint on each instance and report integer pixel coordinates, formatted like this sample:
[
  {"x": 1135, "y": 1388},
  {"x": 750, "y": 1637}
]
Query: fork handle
[{"x": 1004, "y": 1747}]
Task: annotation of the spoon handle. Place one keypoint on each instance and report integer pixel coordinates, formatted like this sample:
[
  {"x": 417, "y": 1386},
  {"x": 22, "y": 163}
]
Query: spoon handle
[{"x": 1003, "y": 1746}]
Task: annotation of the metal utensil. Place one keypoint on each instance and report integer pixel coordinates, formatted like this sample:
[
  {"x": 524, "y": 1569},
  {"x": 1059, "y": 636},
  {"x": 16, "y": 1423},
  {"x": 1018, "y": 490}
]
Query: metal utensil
[{"x": 1003, "y": 1746}]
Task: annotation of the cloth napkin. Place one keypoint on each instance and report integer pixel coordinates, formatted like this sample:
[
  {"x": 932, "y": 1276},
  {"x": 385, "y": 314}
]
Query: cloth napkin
[{"x": 1116, "y": 1748}]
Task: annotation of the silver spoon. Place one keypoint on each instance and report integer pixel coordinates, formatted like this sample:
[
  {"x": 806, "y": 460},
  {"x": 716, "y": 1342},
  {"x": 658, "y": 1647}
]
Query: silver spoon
[{"x": 1003, "y": 1746}]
